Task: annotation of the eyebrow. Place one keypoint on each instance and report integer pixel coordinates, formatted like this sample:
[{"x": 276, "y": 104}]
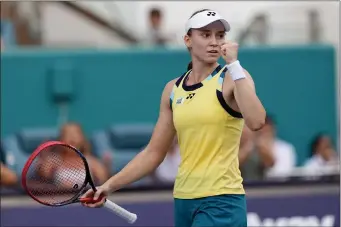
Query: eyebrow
[{"x": 207, "y": 30}]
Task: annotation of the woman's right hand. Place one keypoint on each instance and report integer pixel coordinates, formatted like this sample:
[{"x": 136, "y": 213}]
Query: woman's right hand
[{"x": 99, "y": 196}]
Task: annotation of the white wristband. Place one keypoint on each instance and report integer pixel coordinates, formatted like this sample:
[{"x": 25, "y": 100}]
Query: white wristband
[{"x": 236, "y": 71}]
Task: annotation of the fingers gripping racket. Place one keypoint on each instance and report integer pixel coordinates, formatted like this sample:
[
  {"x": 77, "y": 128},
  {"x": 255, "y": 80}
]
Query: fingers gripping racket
[{"x": 55, "y": 181}]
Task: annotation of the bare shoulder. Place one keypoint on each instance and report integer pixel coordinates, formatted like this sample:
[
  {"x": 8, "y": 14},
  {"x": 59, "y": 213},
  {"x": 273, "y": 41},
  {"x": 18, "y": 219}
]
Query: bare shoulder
[
  {"x": 172, "y": 82},
  {"x": 167, "y": 91},
  {"x": 169, "y": 86}
]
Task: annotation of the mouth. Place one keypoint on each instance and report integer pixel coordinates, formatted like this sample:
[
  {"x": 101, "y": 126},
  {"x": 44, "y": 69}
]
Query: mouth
[{"x": 213, "y": 52}]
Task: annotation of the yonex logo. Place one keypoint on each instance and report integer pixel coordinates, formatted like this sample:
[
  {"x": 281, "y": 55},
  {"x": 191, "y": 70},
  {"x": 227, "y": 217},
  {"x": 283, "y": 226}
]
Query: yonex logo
[
  {"x": 190, "y": 96},
  {"x": 211, "y": 14}
]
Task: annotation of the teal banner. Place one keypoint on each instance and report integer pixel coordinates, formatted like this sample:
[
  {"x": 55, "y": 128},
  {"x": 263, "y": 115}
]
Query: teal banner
[{"x": 101, "y": 87}]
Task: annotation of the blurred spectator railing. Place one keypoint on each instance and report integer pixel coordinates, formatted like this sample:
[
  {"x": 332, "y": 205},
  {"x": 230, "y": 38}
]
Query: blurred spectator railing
[
  {"x": 304, "y": 173},
  {"x": 22, "y": 22},
  {"x": 258, "y": 30},
  {"x": 115, "y": 28},
  {"x": 329, "y": 176}
]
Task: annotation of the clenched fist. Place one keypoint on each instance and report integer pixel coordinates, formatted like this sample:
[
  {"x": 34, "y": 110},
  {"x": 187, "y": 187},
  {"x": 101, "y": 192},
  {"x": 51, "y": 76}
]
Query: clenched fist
[{"x": 229, "y": 51}]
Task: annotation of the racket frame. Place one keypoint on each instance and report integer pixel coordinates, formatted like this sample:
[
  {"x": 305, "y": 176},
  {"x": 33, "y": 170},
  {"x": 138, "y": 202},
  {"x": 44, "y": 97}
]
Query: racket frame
[{"x": 74, "y": 199}]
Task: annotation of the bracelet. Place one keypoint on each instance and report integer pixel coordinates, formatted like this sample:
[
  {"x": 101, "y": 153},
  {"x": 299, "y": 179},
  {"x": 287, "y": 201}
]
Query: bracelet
[{"x": 236, "y": 71}]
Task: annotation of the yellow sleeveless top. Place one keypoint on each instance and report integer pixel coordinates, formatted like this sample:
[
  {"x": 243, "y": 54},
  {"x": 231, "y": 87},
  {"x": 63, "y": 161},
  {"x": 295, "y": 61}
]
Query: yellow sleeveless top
[{"x": 208, "y": 132}]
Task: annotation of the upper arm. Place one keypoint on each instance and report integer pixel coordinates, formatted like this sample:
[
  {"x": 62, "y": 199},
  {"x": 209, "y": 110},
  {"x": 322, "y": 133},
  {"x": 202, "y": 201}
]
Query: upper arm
[
  {"x": 232, "y": 94},
  {"x": 164, "y": 130}
]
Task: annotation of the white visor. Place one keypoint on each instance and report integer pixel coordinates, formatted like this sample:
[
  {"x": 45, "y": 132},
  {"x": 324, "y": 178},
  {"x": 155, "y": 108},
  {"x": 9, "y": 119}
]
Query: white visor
[{"x": 205, "y": 18}]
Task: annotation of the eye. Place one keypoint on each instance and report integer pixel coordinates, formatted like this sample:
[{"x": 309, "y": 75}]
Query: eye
[
  {"x": 221, "y": 36},
  {"x": 206, "y": 35}
]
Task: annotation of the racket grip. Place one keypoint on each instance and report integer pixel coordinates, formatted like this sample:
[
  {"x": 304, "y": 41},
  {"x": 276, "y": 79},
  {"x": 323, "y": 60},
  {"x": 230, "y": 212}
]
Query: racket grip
[{"x": 123, "y": 213}]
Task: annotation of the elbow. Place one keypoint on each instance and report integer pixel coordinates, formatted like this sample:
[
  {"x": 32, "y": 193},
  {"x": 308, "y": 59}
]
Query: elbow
[{"x": 255, "y": 124}]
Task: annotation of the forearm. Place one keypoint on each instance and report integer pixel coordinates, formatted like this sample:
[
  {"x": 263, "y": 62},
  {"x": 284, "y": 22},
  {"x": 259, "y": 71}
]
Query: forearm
[
  {"x": 246, "y": 98},
  {"x": 8, "y": 177},
  {"x": 143, "y": 164},
  {"x": 249, "y": 105}
]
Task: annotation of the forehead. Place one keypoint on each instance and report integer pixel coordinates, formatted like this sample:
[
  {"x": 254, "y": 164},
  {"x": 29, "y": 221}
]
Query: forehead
[
  {"x": 216, "y": 26},
  {"x": 324, "y": 139},
  {"x": 70, "y": 127}
]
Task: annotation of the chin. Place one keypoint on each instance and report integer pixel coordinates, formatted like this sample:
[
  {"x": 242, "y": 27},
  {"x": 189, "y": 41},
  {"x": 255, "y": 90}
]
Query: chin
[{"x": 211, "y": 60}]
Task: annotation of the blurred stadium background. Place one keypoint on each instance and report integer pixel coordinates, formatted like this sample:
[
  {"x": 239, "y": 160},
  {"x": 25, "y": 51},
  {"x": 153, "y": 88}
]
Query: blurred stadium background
[{"x": 104, "y": 64}]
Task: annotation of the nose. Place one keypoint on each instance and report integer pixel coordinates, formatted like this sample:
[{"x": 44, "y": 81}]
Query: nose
[{"x": 214, "y": 41}]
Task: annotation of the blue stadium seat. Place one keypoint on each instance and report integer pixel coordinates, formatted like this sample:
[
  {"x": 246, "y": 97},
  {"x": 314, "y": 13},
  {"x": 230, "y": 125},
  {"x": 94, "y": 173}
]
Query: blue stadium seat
[
  {"x": 15, "y": 157},
  {"x": 18, "y": 147},
  {"x": 121, "y": 159},
  {"x": 130, "y": 136},
  {"x": 30, "y": 139},
  {"x": 100, "y": 143},
  {"x": 124, "y": 141}
]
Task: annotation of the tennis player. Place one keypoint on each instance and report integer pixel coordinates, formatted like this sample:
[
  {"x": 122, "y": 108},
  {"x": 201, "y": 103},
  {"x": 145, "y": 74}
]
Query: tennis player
[{"x": 206, "y": 108}]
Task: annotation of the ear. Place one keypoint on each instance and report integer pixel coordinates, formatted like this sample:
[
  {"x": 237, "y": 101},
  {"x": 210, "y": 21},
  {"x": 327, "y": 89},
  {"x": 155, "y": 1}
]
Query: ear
[{"x": 187, "y": 41}]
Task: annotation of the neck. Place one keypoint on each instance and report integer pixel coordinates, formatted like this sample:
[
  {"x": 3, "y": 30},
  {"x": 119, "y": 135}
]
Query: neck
[{"x": 201, "y": 70}]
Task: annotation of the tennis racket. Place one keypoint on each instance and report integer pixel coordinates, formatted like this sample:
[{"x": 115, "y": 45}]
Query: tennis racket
[{"x": 53, "y": 181}]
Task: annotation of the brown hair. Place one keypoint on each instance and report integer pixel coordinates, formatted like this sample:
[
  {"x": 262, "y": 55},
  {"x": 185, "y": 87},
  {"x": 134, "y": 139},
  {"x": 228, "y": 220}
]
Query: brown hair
[
  {"x": 155, "y": 12},
  {"x": 86, "y": 147}
]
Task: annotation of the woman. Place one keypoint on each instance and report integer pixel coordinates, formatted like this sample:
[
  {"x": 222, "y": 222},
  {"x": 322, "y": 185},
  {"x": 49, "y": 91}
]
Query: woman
[
  {"x": 322, "y": 155},
  {"x": 66, "y": 172},
  {"x": 72, "y": 134},
  {"x": 206, "y": 108}
]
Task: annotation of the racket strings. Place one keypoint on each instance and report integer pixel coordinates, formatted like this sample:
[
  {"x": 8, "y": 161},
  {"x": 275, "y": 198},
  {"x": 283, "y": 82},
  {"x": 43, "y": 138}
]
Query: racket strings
[{"x": 56, "y": 175}]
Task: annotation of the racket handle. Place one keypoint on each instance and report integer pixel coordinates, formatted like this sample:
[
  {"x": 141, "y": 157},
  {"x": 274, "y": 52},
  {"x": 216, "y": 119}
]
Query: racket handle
[{"x": 123, "y": 213}]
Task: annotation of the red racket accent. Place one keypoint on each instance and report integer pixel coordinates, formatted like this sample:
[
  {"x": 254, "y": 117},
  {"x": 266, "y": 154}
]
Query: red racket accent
[
  {"x": 90, "y": 200},
  {"x": 50, "y": 178}
]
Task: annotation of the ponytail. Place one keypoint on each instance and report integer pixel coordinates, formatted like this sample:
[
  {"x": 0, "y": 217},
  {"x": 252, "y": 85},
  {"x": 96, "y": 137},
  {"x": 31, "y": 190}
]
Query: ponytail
[{"x": 190, "y": 66}]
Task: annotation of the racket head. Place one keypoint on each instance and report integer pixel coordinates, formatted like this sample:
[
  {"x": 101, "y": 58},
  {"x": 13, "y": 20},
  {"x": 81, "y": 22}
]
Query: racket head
[{"x": 79, "y": 185}]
